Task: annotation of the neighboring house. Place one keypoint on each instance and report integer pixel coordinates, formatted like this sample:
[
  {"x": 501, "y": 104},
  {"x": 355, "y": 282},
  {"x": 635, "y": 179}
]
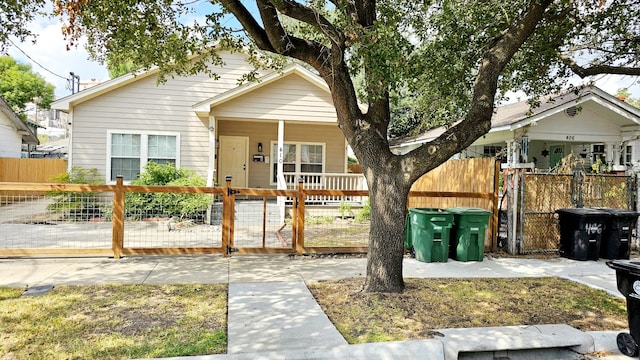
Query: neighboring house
[
  {"x": 14, "y": 133},
  {"x": 591, "y": 124},
  {"x": 215, "y": 127}
]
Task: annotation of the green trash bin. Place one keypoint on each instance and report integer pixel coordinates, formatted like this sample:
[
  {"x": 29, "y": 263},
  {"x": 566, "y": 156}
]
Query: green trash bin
[
  {"x": 470, "y": 226},
  {"x": 427, "y": 232}
]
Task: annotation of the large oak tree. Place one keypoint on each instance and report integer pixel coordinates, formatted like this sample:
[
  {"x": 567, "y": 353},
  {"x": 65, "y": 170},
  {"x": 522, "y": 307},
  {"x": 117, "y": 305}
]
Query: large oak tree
[{"x": 454, "y": 58}]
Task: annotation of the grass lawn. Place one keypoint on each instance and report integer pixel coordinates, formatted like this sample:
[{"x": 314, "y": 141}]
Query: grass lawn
[
  {"x": 429, "y": 304},
  {"x": 141, "y": 321},
  {"x": 113, "y": 322}
]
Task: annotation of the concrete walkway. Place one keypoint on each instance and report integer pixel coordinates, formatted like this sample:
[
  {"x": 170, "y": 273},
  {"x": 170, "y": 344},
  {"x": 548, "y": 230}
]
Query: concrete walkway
[{"x": 272, "y": 314}]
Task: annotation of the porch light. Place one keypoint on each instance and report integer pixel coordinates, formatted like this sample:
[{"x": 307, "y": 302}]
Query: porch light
[
  {"x": 259, "y": 147},
  {"x": 583, "y": 153}
]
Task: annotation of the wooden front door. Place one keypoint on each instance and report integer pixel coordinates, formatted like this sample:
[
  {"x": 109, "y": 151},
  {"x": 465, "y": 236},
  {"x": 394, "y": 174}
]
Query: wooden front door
[{"x": 233, "y": 160}]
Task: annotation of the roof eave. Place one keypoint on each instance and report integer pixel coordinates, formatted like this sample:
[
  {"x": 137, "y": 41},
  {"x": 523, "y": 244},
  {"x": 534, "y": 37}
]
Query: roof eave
[{"x": 67, "y": 103}]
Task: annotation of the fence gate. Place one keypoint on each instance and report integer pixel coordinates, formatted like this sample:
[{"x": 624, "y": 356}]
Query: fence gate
[
  {"x": 259, "y": 220},
  {"x": 534, "y": 198}
]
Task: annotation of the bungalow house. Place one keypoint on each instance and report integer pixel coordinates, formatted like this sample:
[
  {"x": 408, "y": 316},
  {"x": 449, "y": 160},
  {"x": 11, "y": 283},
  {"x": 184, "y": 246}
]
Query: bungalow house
[
  {"x": 14, "y": 133},
  {"x": 263, "y": 133},
  {"x": 590, "y": 124}
]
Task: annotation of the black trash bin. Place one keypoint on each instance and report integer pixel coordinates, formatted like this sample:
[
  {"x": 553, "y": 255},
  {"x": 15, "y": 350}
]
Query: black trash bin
[
  {"x": 628, "y": 280},
  {"x": 616, "y": 239},
  {"x": 581, "y": 232}
]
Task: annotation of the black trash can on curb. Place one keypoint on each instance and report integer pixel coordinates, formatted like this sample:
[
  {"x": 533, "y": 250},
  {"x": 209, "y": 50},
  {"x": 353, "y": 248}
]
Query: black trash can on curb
[
  {"x": 616, "y": 239},
  {"x": 581, "y": 232},
  {"x": 628, "y": 280}
]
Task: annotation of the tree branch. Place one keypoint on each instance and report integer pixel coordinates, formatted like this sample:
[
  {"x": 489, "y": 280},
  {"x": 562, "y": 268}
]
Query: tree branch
[
  {"x": 597, "y": 69},
  {"x": 307, "y": 15},
  {"x": 273, "y": 37},
  {"x": 478, "y": 118},
  {"x": 366, "y": 12},
  {"x": 249, "y": 23}
]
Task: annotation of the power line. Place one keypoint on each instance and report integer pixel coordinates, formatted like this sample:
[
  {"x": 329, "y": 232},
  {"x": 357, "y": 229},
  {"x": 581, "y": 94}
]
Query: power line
[{"x": 30, "y": 58}]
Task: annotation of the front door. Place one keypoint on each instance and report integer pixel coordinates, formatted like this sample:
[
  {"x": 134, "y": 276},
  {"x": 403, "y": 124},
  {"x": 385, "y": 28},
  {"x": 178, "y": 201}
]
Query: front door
[
  {"x": 556, "y": 155},
  {"x": 233, "y": 155}
]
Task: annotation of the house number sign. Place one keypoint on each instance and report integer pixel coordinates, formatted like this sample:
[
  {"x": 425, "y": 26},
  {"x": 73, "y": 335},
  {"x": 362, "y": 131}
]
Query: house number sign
[
  {"x": 593, "y": 228},
  {"x": 570, "y": 137}
]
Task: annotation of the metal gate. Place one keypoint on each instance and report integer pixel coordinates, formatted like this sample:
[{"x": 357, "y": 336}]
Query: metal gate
[
  {"x": 259, "y": 220},
  {"x": 534, "y": 198}
]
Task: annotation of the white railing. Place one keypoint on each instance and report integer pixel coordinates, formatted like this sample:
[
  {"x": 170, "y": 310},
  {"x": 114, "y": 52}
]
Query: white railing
[{"x": 329, "y": 181}]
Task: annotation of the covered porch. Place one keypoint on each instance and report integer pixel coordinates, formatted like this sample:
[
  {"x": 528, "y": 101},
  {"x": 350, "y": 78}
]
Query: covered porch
[{"x": 591, "y": 131}]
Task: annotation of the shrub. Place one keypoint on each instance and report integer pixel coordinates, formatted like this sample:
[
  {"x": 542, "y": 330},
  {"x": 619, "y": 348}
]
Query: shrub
[
  {"x": 76, "y": 205},
  {"x": 365, "y": 213},
  {"x": 183, "y": 206},
  {"x": 345, "y": 210}
]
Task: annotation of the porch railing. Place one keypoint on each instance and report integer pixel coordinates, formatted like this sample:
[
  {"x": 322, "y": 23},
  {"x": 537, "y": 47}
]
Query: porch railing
[{"x": 329, "y": 181}]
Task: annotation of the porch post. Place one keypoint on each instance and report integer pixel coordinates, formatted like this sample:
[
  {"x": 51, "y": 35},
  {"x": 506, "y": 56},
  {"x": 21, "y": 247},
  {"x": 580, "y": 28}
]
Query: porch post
[
  {"x": 511, "y": 153},
  {"x": 612, "y": 155},
  {"x": 211, "y": 169},
  {"x": 282, "y": 183}
]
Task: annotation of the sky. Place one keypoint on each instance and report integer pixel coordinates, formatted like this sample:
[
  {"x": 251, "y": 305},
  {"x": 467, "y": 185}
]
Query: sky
[{"x": 50, "y": 52}]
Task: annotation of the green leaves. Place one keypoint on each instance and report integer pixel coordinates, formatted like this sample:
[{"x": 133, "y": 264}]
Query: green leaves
[
  {"x": 14, "y": 15},
  {"x": 19, "y": 85}
]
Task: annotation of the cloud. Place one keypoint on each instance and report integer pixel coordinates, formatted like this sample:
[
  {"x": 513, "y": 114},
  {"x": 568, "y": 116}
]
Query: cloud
[{"x": 50, "y": 52}]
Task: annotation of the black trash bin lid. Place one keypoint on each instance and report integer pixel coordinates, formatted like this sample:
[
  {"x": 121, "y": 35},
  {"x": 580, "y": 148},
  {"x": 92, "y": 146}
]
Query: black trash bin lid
[
  {"x": 632, "y": 266},
  {"x": 620, "y": 212},
  {"x": 583, "y": 212}
]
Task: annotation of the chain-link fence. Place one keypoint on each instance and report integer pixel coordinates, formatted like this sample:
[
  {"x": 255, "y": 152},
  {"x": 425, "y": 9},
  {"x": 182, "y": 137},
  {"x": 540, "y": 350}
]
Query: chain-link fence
[{"x": 543, "y": 194}]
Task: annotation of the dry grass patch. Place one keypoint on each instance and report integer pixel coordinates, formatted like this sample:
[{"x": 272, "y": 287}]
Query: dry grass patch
[
  {"x": 114, "y": 322},
  {"x": 428, "y": 304}
]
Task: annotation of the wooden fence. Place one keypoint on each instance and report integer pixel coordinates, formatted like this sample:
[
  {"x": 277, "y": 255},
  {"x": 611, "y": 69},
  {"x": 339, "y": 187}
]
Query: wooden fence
[
  {"x": 31, "y": 170},
  {"x": 442, "y": 194},
  {"x": 464, "y": 182}
]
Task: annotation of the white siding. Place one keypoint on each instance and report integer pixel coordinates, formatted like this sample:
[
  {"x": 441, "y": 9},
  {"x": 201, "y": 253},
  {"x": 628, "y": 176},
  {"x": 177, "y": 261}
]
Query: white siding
[
  {"x": 10, "y": 140},
  {"x": 587, "y": 126},
  {"x": 148, "y": 106},
  {"x": 291, "y": 98}
]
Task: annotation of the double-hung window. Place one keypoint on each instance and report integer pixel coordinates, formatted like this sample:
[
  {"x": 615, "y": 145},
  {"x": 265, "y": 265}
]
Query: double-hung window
[
  {"x": 298, "y": 158},
  {"x": 628, "y": 155},
  {"x": 129, "y": 152}
]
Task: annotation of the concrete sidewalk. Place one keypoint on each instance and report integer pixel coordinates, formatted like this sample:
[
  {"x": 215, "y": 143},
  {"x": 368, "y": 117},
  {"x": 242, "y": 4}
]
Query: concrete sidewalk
[{"x": 272, "y": 314}]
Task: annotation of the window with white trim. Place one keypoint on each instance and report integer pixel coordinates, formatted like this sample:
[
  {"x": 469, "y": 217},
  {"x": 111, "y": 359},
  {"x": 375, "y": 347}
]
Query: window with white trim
[
  {"x": 298, "y": 158},
  {"x": 129, "y": 152},
  {"x": 598, "y": 153},
  {"x": 628, "y": 155}
]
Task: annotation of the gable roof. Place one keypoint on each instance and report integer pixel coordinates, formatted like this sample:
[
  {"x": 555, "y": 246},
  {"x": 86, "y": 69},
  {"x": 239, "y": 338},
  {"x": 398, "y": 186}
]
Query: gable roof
[
  {"x": 66, "y": 103},
  {"x": 22, "y": 129},
  {"x": 204, "y": 107},
  {"x": 517, "y": 115}
]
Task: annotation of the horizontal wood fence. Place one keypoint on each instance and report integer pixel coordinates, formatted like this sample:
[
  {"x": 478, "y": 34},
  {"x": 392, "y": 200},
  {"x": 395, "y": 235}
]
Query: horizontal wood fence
[{"x": 280, "y": 221}]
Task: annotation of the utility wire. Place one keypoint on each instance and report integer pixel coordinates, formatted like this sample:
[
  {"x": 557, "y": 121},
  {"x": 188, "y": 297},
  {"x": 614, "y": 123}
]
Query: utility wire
[{"x": 30, "y": 58}]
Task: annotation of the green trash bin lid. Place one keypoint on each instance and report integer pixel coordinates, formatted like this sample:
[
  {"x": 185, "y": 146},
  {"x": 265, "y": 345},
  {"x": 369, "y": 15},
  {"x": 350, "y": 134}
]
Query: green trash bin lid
[
  {"x": 428, "y": 211},
  {"x": 468, "y": 211}
]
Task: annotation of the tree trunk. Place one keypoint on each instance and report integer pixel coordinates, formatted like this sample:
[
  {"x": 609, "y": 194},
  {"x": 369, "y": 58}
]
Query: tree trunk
[{"x": 388, "y": 198}]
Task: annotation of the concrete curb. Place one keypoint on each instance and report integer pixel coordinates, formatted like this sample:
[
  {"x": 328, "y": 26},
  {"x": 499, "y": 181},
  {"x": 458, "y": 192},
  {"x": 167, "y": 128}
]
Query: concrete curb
[{"x": 510, "y": 342}]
